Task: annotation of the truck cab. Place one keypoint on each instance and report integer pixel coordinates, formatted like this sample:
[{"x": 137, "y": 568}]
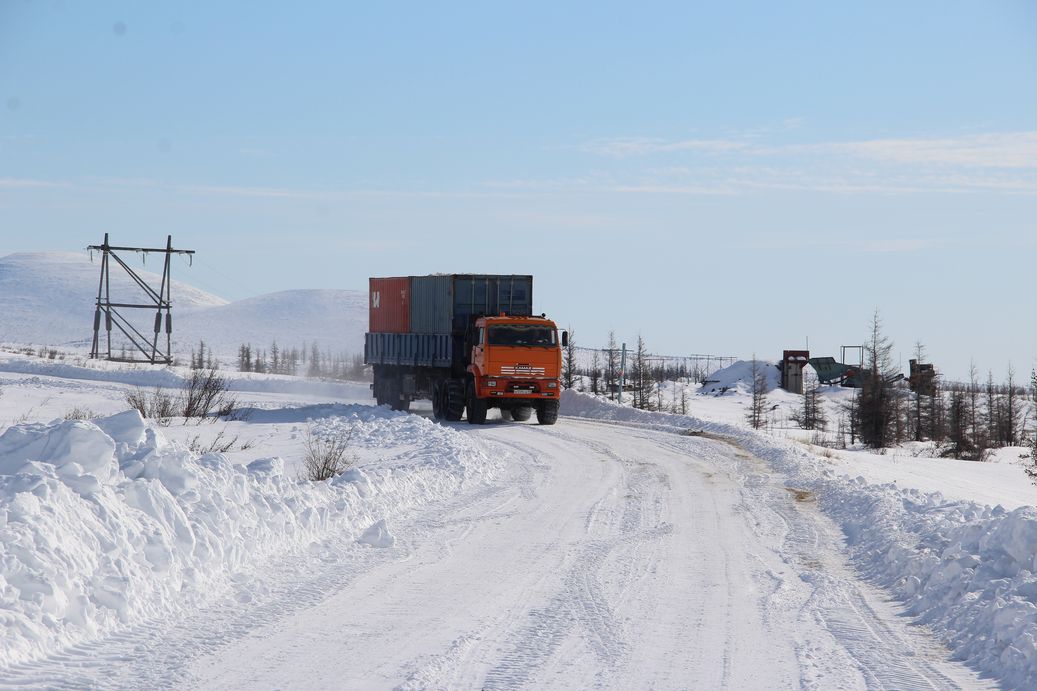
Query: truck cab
[{"x": 516, "y": 357}]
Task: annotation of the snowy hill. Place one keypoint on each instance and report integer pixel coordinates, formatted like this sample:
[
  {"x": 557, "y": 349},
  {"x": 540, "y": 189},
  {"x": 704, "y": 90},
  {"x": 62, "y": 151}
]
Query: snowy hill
[
  {"x": 47, "y": 298},
  {"x": 334, "y": 319}
]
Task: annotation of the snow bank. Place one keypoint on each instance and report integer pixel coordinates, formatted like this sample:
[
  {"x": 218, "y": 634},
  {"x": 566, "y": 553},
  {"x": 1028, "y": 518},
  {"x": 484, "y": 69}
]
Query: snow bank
[
  {"x": 740, "y": 376},
  {"x": 105, "y": 524},
  {"x": 965, "y": 570}
]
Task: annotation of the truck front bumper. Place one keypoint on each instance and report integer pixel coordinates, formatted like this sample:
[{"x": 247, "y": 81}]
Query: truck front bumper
[{"x": 511, "y": 387}]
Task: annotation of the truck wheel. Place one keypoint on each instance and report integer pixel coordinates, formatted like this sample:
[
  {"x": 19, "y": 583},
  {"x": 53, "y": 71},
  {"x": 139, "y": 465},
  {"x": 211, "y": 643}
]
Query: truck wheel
[
  {"x": 547, "y": 412},
  {"x": 505, "y": 414},
  {"x": 438, "y": 402},
  {"x": 453, "y": 400},
  {"x": 521, "y": 414},
  {"x": 476, "y": 407}
]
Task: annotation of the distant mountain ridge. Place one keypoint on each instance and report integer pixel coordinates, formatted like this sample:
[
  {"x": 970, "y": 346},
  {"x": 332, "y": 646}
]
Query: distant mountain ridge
[{"x": 47, "y": 298}]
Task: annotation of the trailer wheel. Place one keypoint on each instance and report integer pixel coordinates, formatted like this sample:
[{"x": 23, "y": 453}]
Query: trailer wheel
[
  {"x": 476, "y": 407},
  {"x": 547, "y": 412},
  {"x": 521, "y": 414},
  {"x": 453, "y": 400},
  {"x": 438, "y": 402}
]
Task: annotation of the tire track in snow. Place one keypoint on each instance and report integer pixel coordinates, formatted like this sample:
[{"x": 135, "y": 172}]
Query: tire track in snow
[
  {"x": 887, "y": 653},
  {"x": 581, "y": 608}
]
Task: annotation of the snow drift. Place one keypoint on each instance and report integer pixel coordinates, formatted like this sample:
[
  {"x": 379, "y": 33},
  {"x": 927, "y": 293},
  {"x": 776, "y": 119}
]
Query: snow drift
[
  {"x": 965, "y": 570},
  {"x": 105, "y": 524},
  {"x": 739, "y": 376}
]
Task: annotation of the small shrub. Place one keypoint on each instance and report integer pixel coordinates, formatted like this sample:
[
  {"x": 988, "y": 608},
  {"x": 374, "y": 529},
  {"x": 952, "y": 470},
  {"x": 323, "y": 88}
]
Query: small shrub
[
  {"x": 205, "y": 393},
  {"x": 80, "y": 413},
  {"x": 326, "y": 456},
  {"x": 218, "y": 445},
  {"x": 159, "y": 405}
]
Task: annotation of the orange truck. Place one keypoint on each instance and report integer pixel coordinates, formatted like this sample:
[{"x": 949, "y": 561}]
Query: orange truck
[{"x": 468, "y": 342}]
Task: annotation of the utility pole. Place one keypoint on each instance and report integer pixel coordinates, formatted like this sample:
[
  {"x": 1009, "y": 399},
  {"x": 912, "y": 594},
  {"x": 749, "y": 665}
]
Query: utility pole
[{"x": 622, "y": 372}]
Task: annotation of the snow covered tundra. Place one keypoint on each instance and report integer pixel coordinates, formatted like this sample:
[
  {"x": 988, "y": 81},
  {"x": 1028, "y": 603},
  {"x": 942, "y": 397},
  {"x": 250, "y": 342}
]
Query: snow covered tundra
[{"x": 619, "y": 549}]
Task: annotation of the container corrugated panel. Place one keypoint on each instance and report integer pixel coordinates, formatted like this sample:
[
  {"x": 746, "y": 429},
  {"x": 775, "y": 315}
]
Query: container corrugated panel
[
  {"x": 431, "y": 306},
  {"x": 411, "y": 349},
  {"x": 389, "y": 306},
  {"x": 482, "y": 294}
]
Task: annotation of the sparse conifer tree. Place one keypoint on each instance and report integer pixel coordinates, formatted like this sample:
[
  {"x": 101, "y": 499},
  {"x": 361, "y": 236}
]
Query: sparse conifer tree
[
  {"x": 569, "y": 362},
  {"x": 878, "y": 407},
  {"x": 758, "y": 404},
  {"x": 611, "y": 365},
  {"x": 595, "y": 373}
]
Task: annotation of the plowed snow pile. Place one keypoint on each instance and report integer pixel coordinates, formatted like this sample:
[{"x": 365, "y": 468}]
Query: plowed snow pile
[
  {"x": 106, "y": 524},
  {"x": 964, "y": 569}
]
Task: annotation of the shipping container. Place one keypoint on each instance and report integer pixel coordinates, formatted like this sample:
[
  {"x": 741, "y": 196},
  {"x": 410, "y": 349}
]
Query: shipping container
[
  {"x": 389, "y": 306},
  {"x": 447, "y": 303}
]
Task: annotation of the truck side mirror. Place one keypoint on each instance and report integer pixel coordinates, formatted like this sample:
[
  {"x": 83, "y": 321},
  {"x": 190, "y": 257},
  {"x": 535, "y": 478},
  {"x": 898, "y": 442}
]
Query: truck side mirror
[{"x": 565, "y": 338}]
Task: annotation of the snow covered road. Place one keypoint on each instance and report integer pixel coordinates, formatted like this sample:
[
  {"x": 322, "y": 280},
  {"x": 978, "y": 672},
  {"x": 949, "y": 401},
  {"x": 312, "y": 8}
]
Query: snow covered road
[
  {"x": 605, "y": 556},
  {"x": 611, "y": 557}
]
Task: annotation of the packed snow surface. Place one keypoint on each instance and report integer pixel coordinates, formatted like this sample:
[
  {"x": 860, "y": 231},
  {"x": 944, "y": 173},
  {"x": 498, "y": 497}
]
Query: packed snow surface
[{"x": 965, "y": 570}]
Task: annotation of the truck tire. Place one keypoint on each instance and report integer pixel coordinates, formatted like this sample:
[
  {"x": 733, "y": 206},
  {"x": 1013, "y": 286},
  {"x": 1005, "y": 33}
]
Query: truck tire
[
  {"x": 547, "y": 412},
  {"x": 453, "y": 400},
  {"x": 438, "y": 400},
  {"x": 505, "y": 414},
  {"x": 476, "y": 407},
  {"x": 521, "y": 414}
]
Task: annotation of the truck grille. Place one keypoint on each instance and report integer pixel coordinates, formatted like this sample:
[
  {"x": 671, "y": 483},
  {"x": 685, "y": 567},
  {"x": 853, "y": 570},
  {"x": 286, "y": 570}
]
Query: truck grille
[{"x": 520, "y": 369}]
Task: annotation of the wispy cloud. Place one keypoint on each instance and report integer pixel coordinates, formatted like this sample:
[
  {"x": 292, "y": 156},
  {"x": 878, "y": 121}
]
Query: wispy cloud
[
  {"x": 990, "y": 150},
  {"x": 841, "y": 242},
  {"x": 25, "y": 183},
  {"x": 995, "y": 150},
  {"x": 640, "y": 146},
  {"x": 1004, "y": 162}
]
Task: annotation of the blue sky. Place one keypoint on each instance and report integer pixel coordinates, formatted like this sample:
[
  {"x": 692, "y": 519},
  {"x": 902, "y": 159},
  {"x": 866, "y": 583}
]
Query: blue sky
[{"x": 723, "y": 178}]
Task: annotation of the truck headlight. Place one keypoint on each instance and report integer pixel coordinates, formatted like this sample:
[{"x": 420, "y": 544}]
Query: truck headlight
[
  {"x": 491, "y": 382},
  {"x": 552, "y": 385}
]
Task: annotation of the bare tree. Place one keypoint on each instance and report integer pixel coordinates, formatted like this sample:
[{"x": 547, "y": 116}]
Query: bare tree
[
  {"x": 595, "y": 373},
  {"x": 758, "y": 405},
  {"x": 811, "y": 414},
  {"x": 1010, "y": 419},
  {"x": 1032, "y": 469},
  {"x": 878, "y": 407},
  {"x": 641, "y": 376},
  {"x": 611, "y": 365},
  {"x": 569, "y": 361}
]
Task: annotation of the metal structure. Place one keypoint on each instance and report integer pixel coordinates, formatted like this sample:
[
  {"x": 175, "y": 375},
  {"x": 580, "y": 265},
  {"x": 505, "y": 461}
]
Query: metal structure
[
  {"x": 159, "y": 301},
  {"x": 791, "y": 368},
  {"x": 922, "y": 378}
]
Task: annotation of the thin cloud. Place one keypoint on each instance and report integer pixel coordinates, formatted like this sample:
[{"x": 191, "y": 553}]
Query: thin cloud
[
  {"x": 641, "y": 146},
  {"x": 989, "y": 150},
  {"x": 995, "y": 150},
  {"x": 25, "y": 183},
  {"x": 837, "y": 242}
]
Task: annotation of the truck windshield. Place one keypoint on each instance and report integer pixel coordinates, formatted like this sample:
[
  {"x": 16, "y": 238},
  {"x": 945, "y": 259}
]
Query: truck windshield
[{"x": 522, "y": 335}]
